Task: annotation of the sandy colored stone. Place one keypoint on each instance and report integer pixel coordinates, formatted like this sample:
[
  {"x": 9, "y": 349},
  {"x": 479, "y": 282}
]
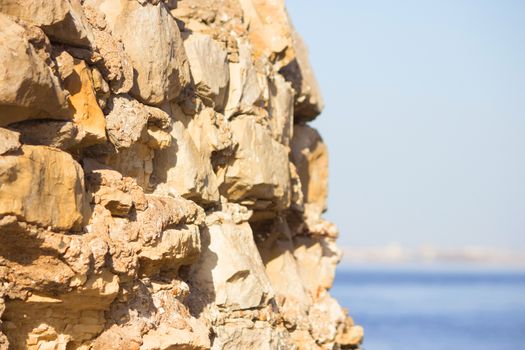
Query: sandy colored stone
[
  {"x": 181, "y": 170},
  {"x": 152, "y": 40},
  {"x": 270, "y": 29},
  {"x": 230, "y": 271},
  {"x": 209, "y": 67},
  {"x": 281, "y": 109},
  {"x": 9, "y": 140},
  {"x": 44, "y": 186},
  {"x": 62, "y": 21},
  {"x": 28, "y": 87},
  {"x": 308, "y": 99},
  {"x": 259, "y": 176},
  {"x": 244, "y": 89},
  {"x": 310, "y": 156},
  {"x": 83, "y": 104}
]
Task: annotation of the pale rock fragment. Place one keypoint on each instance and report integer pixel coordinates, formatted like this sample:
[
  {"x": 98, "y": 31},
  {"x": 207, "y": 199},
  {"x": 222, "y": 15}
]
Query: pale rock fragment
[
  {"x": 230, "y": 271},
  {"x": 126, "y": 121},
  {"x": 181, "y": 170},
  {"x": 259, "y": 175},
  {"x": 9, "y": 141},
  {"x": 208, "y": 67},
  {"x": 62, "y": 21},
  {"x": 28, "y": 87},
  {"x": 244, "y": 89},
  {"x": 44, "y": 186},
  {"x": 152, "y": 40},
  {"x": 281, "y": 109}
]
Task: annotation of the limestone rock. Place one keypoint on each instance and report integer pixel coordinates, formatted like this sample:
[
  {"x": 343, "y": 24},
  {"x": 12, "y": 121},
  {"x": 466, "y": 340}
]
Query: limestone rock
[
  {"x": 28, "y": 87},
  {"x": 126, "y": 121},
  {"x": 181, "y": 170},
  {"x": 44, "y": 186},
  {"x": 62, "y": 21},
  {"x": 308, "y": 99},
  {"x": 259, "y": 177},
  {"x": 317, "y": 258},
  {"x": 281, "y": 109},
  {"x": 230, "y": 271},
  {"x": 209, "y": 68},
  {"x": 244, "y": 89},
  {"x": 84, "y": 106},
  {"x": 152, "y": 40},
  {"x": 310, "y": 156},
  {"x": 9, "y": 141},
  {"x": 270, "y": 29}
]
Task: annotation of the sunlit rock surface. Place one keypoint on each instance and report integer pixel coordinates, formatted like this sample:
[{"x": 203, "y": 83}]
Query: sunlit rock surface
[{"x": 159, "y": 186}]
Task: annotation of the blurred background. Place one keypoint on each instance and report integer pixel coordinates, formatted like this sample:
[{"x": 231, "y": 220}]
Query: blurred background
[{"x": 425, "y": 123}]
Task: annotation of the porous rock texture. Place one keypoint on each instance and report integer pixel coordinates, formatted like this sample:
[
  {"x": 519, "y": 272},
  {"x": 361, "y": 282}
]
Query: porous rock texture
[{"x": 159, "y": 186}]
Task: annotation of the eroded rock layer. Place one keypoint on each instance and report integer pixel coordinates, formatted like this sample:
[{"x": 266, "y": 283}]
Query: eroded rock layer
[{"x": 159, "y": 186}]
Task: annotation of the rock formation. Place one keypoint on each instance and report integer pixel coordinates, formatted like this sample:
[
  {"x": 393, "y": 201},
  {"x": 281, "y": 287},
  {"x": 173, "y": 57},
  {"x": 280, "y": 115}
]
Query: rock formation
[{"x": 159, "y": 186}]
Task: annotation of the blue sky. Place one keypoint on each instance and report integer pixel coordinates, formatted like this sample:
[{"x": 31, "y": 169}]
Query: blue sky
[{"x": 424, "y": 118}]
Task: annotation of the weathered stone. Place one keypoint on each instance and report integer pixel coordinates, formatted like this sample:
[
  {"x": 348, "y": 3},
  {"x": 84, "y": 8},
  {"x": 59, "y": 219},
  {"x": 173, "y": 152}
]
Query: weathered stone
[
  {"x": 209, "y": 68},
  {"x": 62, "y": 21},
  {"x": 259, "y": 177},
  {"x": 308, "y": 99},
  {"x": 230, "y": 271},
  {"x": 245, "y": 334},
  {"x": 9, "y": 141},
  {"x": 281, "y": 109},
  {"x": 126, "y": 121},
  {"x": 152, "y": 40},
  {"x": 244, "y": 89},
  {"x": 52, "y": 133},
  {"x": 310, "y": 156},
  {"x": 84, "y": 106},
  {"x": 270, "y": 29},
  {"x": 317, "y": 258},
  {"x": 28, "y": 88},
  {"x": 44, "y": 186},
  {"x": 181, "y": 170}
]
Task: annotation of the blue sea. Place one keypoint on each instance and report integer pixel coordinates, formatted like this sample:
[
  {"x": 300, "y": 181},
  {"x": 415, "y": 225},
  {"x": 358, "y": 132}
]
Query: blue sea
[{"x": 435, "y": 308}]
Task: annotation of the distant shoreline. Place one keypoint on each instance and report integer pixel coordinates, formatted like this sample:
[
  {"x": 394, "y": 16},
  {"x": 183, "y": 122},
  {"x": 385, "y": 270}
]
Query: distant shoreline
[{"x": 427, "y": 256}]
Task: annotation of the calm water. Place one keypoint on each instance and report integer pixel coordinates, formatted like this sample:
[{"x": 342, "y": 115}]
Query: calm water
[{"x": 437, "y": 308}]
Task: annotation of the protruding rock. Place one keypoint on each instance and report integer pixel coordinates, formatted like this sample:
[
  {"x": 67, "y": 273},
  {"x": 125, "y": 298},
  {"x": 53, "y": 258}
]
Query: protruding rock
[
  {"x": 310, "y": 156},
  {"x": 84, "y": 106},
  {"x": 230, "y": 270},
  {"x": 62, "y": 21},
  {"x": 209, "y": 68},
  {"x": 270, "y": 29},
  {"x": 281, "y": 109},
  {"x": 28, "y": 87},
  {"x": 181, "y": 170},
  {"x": 44, "y": 186},
  {"x": 308, "y": 99},
  {"x": 259, "y": 177},
  {"x": 152, "y": 40},
  {"x": 244, "y": 89},
  {"x": 9, "y": 141}
]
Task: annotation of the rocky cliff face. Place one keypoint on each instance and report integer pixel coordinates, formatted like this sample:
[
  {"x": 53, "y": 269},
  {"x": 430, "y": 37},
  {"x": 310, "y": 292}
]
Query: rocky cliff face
[{"x": 160, "y": 187}]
